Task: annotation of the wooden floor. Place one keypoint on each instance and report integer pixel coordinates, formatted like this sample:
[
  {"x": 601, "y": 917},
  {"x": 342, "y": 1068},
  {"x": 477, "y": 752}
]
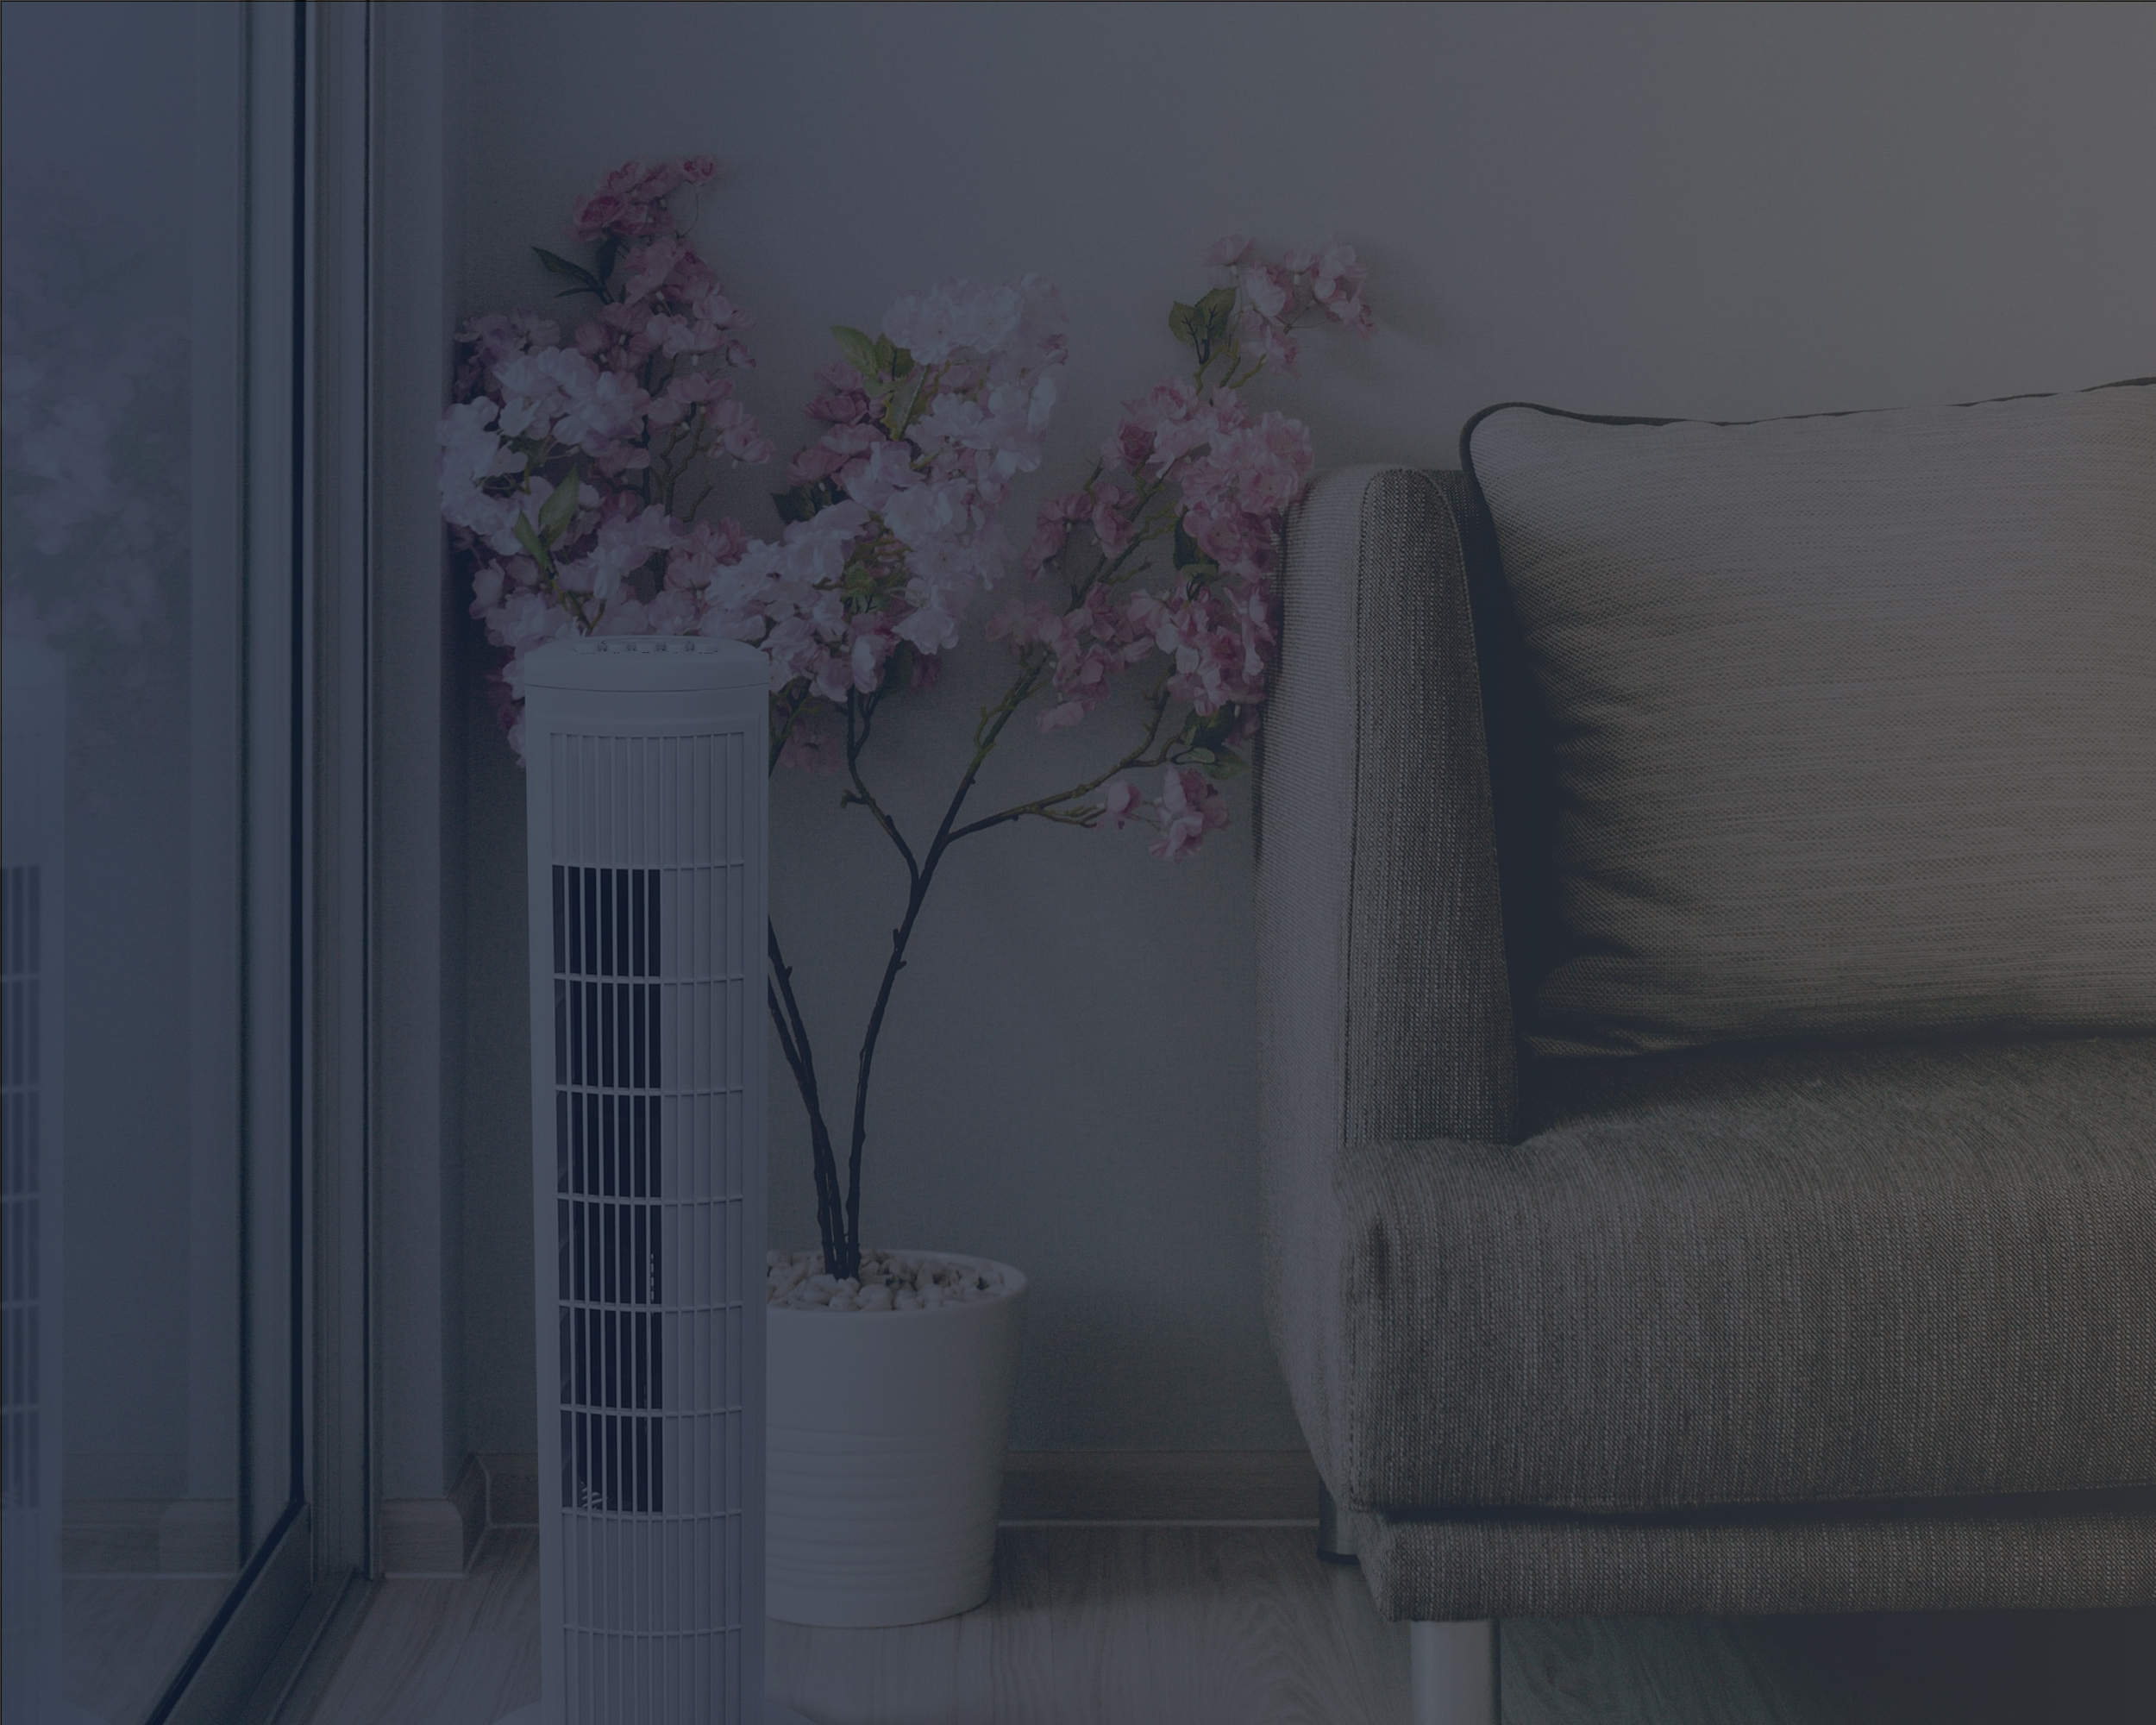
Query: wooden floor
[
  {"x": 1135, "y": 1625},
  {"x": 140, "y": 1579},
  {"x": 450, "y": 1651},
  {"x": 122, "y": 1637}
]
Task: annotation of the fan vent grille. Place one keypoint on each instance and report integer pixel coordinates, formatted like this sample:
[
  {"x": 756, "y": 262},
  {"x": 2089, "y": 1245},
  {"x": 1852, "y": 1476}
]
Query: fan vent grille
[
  {"x": 647, "y": 879},
  {"x": 21, "y": 1272}
]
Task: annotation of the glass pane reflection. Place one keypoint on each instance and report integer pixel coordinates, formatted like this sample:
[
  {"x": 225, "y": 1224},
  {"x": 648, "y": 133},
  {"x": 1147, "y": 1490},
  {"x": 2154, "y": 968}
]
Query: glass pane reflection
[{"x": 126, "y": 1060}]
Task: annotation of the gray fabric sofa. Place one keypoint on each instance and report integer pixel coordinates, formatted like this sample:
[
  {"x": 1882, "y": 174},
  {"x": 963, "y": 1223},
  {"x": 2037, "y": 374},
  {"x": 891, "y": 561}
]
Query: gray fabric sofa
[{"x": 1808, "y": 1322}]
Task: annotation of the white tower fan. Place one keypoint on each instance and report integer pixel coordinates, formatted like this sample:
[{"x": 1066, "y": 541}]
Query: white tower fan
[
  {"x": 31, "y": 828},
  {"x": 646, "y": 798}
]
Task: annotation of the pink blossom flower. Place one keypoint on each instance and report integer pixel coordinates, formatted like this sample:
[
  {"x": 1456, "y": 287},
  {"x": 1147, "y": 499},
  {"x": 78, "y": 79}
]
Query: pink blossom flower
[
  {"x": 472, "y": 451},
  {"x": 1176, "y": 398},
  {"x": 955, "y": 315},
  {"x": 1120, "y": 804},
  {"x": 671, "y": 612},
  {"x": 1190, "y": 808},
  {"x": 1052, "y": 527},
  {"x": 494, "y": 338},
  {"x": 740, "y": 438},
  {"x": 698, "y": 554},
  {"x": 1260, "y": 467},
  {"x": 696, "y": 389},
  {"x": 650, "y": 265},
  {"x": 487, "y": 589},
  {"x": 596, "y": 215},
  {"x": 1336, "y": 281},
  {"x": 1357, "y": 315},
  {"x": 1113, "y": 518},
  {"x": 625, "y": 616},
  {"x": 714, "y": 308},
  {"x": 1087, "y": 645},
  {"x": 882, "y": 578},
  {"x": 888, "y": 469},
  {"x": 929, "y": 516},
  {"x": 840, "y": 407},
  {"x": 1130, "y": 446},
  {"x": 658, "y": 181},
  {"x": 1267, "y": 341},
  {"x": 1337, "y": 275},
  {"x": 1172, "y": 439},
  {"x": 526, "y": 619},
  {"x": 1018, "y": 622},
  {"x": 812, "y": 746},
  {"x": 1268, "y": 291},
  {"x": 931, "y": 626},
  {"x": 814, "y": 461}
]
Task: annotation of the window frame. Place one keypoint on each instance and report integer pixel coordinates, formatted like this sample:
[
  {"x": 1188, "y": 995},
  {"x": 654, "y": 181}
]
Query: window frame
[{"x": 306, "y": 405}]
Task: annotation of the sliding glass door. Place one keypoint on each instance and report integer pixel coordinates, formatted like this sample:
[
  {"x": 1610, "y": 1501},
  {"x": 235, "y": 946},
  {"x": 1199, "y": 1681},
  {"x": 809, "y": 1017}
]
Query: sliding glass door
[{"x": 157, "y": 868}]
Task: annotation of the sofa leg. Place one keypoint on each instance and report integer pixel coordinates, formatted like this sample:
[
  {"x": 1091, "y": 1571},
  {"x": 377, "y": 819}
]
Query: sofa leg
[
  {"x": 1453, "y": 1673},
  {"x": 1331, "y": 1546}
]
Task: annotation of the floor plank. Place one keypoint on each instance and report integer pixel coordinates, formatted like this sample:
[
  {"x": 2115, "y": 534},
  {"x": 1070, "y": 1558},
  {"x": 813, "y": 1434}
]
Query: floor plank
[
  {"x": 1965, "y": 1667},
  {"x": 122, "y": 1637},
  {"x": 1570, "y": 1670},
  {"x": 459, "y": 1652},
  {"x": 1146, "y": 1625}
]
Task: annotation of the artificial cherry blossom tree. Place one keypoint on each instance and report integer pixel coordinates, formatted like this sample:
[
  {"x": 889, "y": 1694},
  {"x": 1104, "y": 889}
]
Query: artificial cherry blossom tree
[{"x": 574, "y": 476}]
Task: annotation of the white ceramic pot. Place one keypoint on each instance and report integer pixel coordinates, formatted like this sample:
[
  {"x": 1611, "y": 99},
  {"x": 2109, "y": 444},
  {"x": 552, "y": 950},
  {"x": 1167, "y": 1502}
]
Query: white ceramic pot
[{"x": 883, "y": 1469}]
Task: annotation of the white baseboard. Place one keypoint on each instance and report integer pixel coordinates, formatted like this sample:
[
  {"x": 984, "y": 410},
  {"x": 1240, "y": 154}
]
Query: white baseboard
[
  {"x": 176, "y": 1536},
  {"x": 422, "y": 1537},
  {"x": 1259, "y": 1486},
  {"x": 1262, "y": 1487},
  {"x": 512, "y": 1489}
]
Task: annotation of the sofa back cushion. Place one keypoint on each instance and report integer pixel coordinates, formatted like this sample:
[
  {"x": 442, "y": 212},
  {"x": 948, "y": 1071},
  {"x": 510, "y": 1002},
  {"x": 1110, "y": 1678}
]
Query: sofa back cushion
[{"x": 1851, "y": 720}]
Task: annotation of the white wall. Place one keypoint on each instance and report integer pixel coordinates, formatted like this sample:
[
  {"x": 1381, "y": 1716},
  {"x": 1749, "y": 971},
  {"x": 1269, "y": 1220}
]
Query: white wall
[{"x": 1726, "y": 212}]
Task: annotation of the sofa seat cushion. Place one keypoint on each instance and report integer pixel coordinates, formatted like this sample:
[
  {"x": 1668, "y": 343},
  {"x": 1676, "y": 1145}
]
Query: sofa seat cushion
[
  {"x": 2061, "y": 1550},
  {"x": 1757, "y": 1274}
]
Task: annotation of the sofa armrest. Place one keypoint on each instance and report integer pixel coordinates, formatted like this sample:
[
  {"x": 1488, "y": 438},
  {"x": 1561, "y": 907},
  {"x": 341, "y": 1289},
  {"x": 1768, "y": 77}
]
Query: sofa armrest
[{"x": 1383, "y": 1008}]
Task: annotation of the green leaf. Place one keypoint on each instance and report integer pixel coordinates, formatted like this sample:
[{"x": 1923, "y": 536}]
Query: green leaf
[
  {"x": 805, "y": 500},
  {"x": 1219, "y": 304},
  {"x": 609, "y": 251},
  {"x": 559, "y": 510},
  {"x": 557, "y": 265},
  {"x": 1182, "y": 324},
  {"x": 902, "y": 402},
  {"x": 1216, "y": 320},
  {"x": 533, "y": 548},
  {"x": 1204, "y": 740},
  {"x": 860, "y": 351}
]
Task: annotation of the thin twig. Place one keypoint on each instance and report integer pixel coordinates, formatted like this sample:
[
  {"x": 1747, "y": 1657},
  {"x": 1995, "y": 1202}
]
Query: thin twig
[
  {"x": 857, "y": 740},
  {"x": 794, "y": 1038}
]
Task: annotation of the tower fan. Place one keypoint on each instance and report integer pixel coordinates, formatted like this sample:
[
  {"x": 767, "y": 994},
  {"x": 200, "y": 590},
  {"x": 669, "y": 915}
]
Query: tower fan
[
  {"x": 645, "y": 804},
  {"x": 34, "y": 727}
]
